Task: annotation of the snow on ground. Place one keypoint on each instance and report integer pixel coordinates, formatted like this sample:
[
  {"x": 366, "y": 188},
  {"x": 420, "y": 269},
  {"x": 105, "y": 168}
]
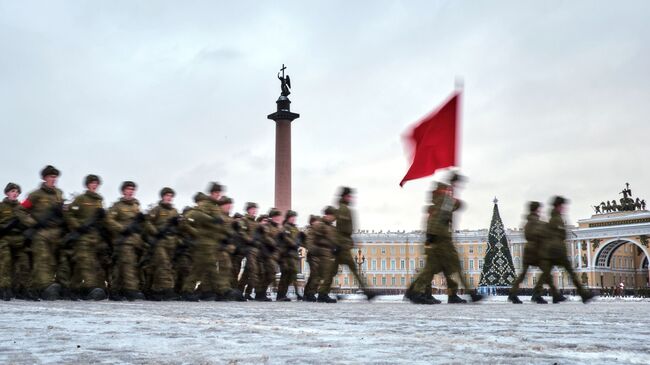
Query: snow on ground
[{"x": 386, "y": 331}]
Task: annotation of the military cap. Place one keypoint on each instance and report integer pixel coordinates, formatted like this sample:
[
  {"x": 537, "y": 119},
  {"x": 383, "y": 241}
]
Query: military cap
[
  {"x": 346, "y": 191},
  {"x": 313, "y": 218},
  {"x": 533, "y": 206},
  {"x": 224, "y": 200},
  {"x": 92, "y": 178},
  {"x": 262, "y": 217},
  {"x": 274, "y": 213},
  {"x": 290, "y": 213},
  {"x": 50, "y": 170},
  {"x": 11, "y": 186},
  {"x": 329, "y": 210},
  {"x": 215, "y": 187},
  {"x": 238, "y": 216},
  {"x": 250, "y": 205},
  {"x": 199, "y": 197},
  {"x": 558, "y": 200},
  {"x": 166, "y": 191},
  {"x": 456, "y": 177},
  {"x": 127, "y": 184}
]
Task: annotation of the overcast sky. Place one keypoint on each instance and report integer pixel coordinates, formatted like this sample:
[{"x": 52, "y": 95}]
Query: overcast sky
[{"x": 556, "y": 99}]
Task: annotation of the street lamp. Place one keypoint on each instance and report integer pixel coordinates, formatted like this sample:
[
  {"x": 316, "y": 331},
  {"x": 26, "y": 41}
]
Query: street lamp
[{"x": 360, "y": 259}]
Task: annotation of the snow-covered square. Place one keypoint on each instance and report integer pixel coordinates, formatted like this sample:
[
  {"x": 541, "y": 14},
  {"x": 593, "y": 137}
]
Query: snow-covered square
[{"x": 386, "y": 331}]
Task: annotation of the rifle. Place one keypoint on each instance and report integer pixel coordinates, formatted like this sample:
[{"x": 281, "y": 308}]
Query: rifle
[
  {"x": 169, "y": 228},
  {"x": 133, "y": 228},
  {"x": 13, "y": 223},
  {"x": 74, "y": 236},
  {"x": 55, "y": 216}
]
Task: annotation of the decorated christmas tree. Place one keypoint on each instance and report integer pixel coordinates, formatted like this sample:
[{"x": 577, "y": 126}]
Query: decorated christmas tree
[{"x": 498, "y": 269}]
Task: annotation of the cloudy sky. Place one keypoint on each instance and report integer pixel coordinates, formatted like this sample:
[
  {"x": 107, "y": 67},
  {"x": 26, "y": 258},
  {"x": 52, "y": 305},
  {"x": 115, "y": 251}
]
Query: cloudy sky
[{"x": 556, "y": 98}]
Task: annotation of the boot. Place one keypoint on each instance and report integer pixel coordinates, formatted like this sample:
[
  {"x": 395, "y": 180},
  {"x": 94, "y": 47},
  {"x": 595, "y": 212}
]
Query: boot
[
  {"x": 455, "y": 299},
  {"x": 370, "y": 295},
  {"x": 6, "y": 294},
  {"x": 249, "y": 297},
  {"x": 408, "y": 294},
  {"x": 169, "y": 295},
  {"x": 558, "y": 298},
  {"x": 69, "y": 294},
  {"x": 52, "y": 292},
  {"x": 538, "y": 299},
  {"x": 234, "y": 295},
  {"x": 299, "y": 297},
  {"x": 514, "y": 299},
  {"x": 587, "y": 297},
  {"x": 190, "y": 297},
  {"x": 310, "y": 298},
  {"x": 262, "y": 298},
  {"x": 477, "y": 297},
  {"x": 96, "y": 294},
  {"x": 132, "y": 295},
  {"x": 208, "y": 297},
  {"x": 32, "y": 295},
  {"x": 324, "y": 298}
]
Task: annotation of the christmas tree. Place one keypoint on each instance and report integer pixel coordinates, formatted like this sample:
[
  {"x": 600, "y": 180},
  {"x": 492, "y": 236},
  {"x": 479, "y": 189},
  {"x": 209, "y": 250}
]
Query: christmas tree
[{"x": 498, "y": 269}]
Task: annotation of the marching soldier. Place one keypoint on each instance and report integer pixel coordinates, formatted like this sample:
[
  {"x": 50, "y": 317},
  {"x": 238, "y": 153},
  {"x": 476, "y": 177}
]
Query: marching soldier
[
  {"x": 45, "y": 218},
  {"x": 343, "y": 254},
  {"x": 250, "y": 277},
  {"x": 242, "y": 242},
  {"x": 164, "y": 221},
  {"x": 14, "y": 258},
  {"x": 226, "y": 249},
  {"x": 268, "y": 259},
  {"x": 556, "y": 252},
  {"x": 312, "y": 285},
  {"x": 441, "y": 253},
  {"x": 127, "y": 223},
  {"x": 85, "y": 219},
  {"x": 323, "y": 266},
  {"x": 534, "y": 233},
  {"x": 288, "y": 253}
]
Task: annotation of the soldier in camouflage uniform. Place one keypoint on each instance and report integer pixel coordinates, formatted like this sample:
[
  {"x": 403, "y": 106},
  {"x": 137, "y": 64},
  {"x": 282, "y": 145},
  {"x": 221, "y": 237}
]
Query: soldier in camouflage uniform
[
  {"x": 164, "y": 221},
  {"x": 241, "y": 240},
  {"x": 288, "y": 254},
  {"x": 534, "y": 233},
  {"x": 441, "y": 253},
  {"x": 226, "y": 249},
  {"x": 556, "y": 251},
  {"x": 85, "y": 219},
  {"x": 50, "y": 261},
  {"x": 311, "y": 286},
  {"x": 345, "y": 228},
  {"x": 127, "y": 223},
  {"x": 323, "y": 244},
  {"x": 14, "y": 257},
  {"x": 268, "y": 259},
  {"x": 250, "y": 276}
]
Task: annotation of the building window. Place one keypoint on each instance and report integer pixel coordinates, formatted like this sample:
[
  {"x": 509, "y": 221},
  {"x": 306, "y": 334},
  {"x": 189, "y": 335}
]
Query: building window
[
  {"x": 412, "y": 263},
  {"x": 383, "y": 265},
  {"x": 402, "y": 250},
  {"x": 517, "y": 262},
  {"x": 392, "y": 250},
  {"x": 373, "y": 250},
  {"x": 471, "y": 264},
  {"x": 374, "y": 281},
  {"x": 403, "y": 280},
  {"x": 480, "y": 249},
  {"x": 471, "y": 249},
  {"x": 392, "y": 264},
  {"x": 355, "y": 282},
  {"x": 462, "y": 265},
  {"x": 471, "y": 281},
  {"x": 383, "y": 250},
  {"x": 534, "y": 280},
  {"x": 336, "y": 281},
  {"x": 421, "y": 263},
  {"x": 374, "y": 265},
  {"x": 412, "y": 249},
  {"x": 480, "y": 265},
  {"x": 393, "y": 281},
  {"x": 383, "y": 281},
  {"x": 346, "y": 281},
  {"x": 402, "y": 265},
  {"x": 460, "y": 249}
]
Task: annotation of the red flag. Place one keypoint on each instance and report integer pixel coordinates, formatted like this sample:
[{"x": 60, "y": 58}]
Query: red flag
[{"x": 433, "y": 141}]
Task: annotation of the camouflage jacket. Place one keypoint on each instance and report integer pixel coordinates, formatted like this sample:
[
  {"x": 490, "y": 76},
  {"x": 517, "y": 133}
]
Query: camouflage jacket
[
  {"x": 439, "y": 221},
  {"x": 42, "y": 203},
  {"x": 83, "y": 209}
]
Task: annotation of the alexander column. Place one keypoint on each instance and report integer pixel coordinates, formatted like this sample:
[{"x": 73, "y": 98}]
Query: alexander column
[{"x": 283, "y": 118}]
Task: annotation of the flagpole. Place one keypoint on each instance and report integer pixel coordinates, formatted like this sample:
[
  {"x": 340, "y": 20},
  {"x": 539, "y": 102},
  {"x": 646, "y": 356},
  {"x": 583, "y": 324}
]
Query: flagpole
[{"x": 459, "y": 86}]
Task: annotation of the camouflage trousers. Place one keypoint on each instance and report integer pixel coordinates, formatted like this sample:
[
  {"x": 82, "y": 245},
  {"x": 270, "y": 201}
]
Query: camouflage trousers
[
  {"x": 321, "y": 262},
  {"x": 250, "y": 277},
  {"x": 213, "y": 278},
  {"x": 441, "y": 257},
  {"x": 49, "y": 260},
  {"x": 182, "y": 270},
  {"x": 14, "y": 263},
  {"x": 162, "y": 266},
  {"x": 125, "y": 275},
  {"x": 342, "y": 257},
  {"x": 87, "y": 270},
  {"x": 288, "y": 274},
  {"x": 267, "y": 267},
  {"x": 544, "y": 278},
  {"x": 564, "y": 263}
]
